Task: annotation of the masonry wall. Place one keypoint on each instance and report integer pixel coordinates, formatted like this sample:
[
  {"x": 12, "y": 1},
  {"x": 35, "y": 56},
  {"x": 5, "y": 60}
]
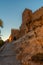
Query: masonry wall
[
  {"x": 14, "y": 35},
  {"x": 26, "y": 20},
  {"x": 30, "y": 21}
]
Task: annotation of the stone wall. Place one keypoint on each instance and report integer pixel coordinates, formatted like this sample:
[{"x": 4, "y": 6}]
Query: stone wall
[
  {"x": 38, "y": 13},
  {"x": 29, "y": 44},
  {"x": 26, "y": 20},
  {"x": 14, "y": 35},
  {"x": 30, "y": 21}
]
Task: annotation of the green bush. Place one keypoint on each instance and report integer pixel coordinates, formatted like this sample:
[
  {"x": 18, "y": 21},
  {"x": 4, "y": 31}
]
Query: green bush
[{"x": 1, "y": 43}]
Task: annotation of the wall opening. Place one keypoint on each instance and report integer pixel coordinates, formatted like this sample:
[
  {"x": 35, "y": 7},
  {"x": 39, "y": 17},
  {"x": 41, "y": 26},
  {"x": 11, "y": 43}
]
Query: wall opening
[{"x": 14, "y": 38}]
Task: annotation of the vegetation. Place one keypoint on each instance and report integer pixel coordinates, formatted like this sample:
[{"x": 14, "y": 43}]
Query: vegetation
[
  {"x": 1, "y": 43},
  {"x": 1, "y": 23}
]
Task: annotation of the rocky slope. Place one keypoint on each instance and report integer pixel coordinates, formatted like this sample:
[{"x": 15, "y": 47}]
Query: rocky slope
[
  {"x": 21, "y": 51},
  {"x": 30, "y": 45}
]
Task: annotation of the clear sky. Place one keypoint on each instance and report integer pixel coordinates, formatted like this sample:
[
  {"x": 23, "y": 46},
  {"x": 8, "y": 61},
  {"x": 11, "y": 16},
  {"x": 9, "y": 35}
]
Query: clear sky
[{"x": 11, "y": 13}]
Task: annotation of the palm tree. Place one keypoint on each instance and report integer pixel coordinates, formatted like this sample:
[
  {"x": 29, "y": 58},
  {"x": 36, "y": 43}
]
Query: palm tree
[{"x": 1, "y": 25}]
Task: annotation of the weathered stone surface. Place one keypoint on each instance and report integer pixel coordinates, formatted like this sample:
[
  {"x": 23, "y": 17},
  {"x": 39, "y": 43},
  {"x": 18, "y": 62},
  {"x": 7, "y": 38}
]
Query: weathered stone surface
[
  {"x": 30, "y": 20},
  {"x": 30, "y": 45},
  {"x": 38, "y": 13},
  {"x": 14, "y": 35},
  {"x": 20, "y": 52}
]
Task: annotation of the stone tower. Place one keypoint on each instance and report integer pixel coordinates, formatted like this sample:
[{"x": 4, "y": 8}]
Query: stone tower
[{"x": 26, "y": 20}]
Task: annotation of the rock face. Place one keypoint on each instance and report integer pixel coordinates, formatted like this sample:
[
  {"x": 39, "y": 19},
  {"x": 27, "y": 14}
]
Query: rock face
[{"x": 29, "y": 44}]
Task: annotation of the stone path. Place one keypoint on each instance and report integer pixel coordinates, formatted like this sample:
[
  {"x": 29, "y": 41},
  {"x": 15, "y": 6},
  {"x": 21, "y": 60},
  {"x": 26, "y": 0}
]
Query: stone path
[{"x": 8, "y": 55}]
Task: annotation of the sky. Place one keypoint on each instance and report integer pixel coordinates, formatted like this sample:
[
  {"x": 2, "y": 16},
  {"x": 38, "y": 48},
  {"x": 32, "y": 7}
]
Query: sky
[{"x": 11, "y": 13}]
